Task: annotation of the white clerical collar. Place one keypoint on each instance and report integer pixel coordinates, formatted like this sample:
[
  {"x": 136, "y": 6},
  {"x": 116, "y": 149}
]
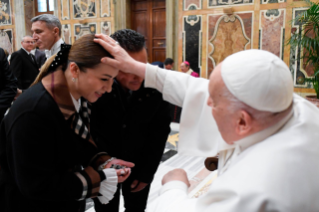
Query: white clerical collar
[
  {"x": 189, "y": 71},
  {"x": 262, "y": 135},
  {"x": 25, "y": 50},
  {"x": 55, "y": 48},
  {"x": 77, "y": 103}
]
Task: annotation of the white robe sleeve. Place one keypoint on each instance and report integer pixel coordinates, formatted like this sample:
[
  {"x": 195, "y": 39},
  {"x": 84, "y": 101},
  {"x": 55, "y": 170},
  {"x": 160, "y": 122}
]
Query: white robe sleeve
[
  {"x": 199, "y": 134},
  {"x": 173, "y": 199}
]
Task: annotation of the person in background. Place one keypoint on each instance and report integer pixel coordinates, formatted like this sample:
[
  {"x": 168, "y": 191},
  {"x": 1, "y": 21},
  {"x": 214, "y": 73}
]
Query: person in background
[
  {"x": 168, "y": 63},
  {"x": 159, "y": 64},
  {"x": 185, "y": 68},
  {"x": 23, "y": 64},
  {"x": 46, "y": 30},
  {"x": 133, "y": 123},
  {"x": 49, "y": 161},
  {"x": 8, "y": 84}
]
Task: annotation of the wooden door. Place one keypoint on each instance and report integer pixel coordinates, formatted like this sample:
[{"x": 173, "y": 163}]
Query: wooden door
[{"x": 148, "y": 17}]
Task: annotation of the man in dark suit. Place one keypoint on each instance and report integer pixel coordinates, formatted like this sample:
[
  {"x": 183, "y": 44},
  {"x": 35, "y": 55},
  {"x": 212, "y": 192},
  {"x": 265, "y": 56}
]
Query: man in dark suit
[
  {"x": 132, "y": 122},
  {"x": 23, "y": 64},
  {"x": 39, "y": 55},
  {"x": 8, "y": 84}
]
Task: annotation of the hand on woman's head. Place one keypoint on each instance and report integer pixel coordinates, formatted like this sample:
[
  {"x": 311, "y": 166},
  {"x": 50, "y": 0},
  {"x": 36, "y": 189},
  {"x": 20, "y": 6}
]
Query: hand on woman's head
[{"x": 122, "y": 60}]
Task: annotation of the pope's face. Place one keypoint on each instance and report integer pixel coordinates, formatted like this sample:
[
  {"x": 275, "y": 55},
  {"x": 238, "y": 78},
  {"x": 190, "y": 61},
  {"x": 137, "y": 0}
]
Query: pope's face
[{"x": 225, "y": 120}]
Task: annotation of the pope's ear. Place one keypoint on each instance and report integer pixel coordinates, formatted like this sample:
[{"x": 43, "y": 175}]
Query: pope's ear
[{"x": 244, "y": 123}]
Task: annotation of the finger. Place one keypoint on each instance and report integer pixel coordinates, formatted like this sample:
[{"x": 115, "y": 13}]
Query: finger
[
  {"x": 125, "y": 163},
  {"x": 106, "y": 44},
  {"x": 107, "y": 39},
  {"x": 140, "y": 187},
  {"x": 135, "y": 182},
  {"x": 111, "y": 62}
]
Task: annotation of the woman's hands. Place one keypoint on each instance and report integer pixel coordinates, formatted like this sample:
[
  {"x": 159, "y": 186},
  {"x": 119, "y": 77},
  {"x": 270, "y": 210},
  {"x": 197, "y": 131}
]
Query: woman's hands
[
  {"x": 122, "y": 60},
  {"x": 124, "y": 173}
]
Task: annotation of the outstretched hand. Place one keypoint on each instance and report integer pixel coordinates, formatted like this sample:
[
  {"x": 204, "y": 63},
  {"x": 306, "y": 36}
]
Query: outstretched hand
[
  {"x": 119, "y": 162},
  {"x": 122, "y": 60},
  {"x": 123, "y": 174}
]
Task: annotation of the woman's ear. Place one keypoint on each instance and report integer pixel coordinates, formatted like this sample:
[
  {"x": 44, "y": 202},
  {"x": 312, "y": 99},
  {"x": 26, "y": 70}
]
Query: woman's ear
[
  {"x": 74, "y": 69},
  {"x": 244, "y": 123}
]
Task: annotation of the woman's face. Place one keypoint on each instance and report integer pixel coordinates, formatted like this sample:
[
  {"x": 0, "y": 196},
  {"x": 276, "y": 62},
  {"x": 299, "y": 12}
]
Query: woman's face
[
  {"x": 94, "y": 82},
  {"x": 184, "y": 68}
]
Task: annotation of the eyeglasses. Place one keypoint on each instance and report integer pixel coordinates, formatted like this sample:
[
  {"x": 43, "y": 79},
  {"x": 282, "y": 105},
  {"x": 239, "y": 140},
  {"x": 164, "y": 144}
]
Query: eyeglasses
[{"x": 28, "y": 42}]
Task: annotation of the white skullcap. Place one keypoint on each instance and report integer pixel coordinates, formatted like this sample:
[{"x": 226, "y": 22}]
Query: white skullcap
[{"x": 258, "y": 78}]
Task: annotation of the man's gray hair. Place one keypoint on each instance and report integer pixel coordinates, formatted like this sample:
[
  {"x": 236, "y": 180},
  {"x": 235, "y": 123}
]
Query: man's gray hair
[
  {"x": 26, "y": 36},
  {"x": 50, "y": 20}
]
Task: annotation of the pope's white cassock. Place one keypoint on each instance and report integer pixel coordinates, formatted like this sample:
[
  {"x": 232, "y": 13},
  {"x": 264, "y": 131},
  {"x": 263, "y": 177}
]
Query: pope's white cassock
[{"x": 276, "y": 169}]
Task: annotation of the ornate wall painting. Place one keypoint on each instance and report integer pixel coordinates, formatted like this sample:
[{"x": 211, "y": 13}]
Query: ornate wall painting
[
  {"x": 227, "y": 34},
  {"x": 84, "y": 9},
  {"x": 65, "y": 9},
  {"x": 192, "y": 37},
  {"x": 66, "y": 33},
  {"x": 5, "y": 12},
  {"x": 272, "y": 31},
  {"x": 81, "y": 29},
  {"x": 105, "y": 7},
  {"x": 214, "y": 3},
  {"x": 6, "y": 38},
  {"x": 106, "y": 28},
  {"x": 297, "y": 68},
  {"x": 192, "y": 4},
  {"x": 271, "y": 1}
]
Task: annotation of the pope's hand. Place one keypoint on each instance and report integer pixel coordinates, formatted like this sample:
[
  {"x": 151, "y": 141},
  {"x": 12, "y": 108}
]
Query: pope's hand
[
  {"x": 122, "y": 60},
  {"x": 176, "y": 174}
]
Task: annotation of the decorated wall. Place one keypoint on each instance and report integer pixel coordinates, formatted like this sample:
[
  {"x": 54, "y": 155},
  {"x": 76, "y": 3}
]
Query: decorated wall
[
  {"x": 7, "y": 31},
  {"x": 81, "y": 17},
  {"x": 210, "y": 30}
]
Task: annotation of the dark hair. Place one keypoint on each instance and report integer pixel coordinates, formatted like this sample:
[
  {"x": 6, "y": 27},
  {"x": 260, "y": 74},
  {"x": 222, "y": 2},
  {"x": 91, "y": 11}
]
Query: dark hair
[
  {"x": 50, "y": 20},
  {"x": 129, "y": 40},
  {"x": 168, "y": 61},
  {"x": 84, "y": 52}
]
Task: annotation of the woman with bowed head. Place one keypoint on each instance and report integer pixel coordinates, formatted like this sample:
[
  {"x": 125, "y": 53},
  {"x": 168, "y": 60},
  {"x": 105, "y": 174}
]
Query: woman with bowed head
[{"x": 48, "y": 159}]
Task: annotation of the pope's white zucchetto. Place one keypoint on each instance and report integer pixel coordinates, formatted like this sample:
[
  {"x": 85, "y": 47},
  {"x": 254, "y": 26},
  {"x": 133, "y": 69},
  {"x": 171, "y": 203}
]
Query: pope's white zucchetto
[{"x": 258, "y": 78}]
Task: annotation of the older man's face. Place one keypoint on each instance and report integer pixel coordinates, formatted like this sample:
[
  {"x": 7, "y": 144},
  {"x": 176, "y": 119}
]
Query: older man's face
[
  {"x": 44, "y": 36},
  {"x": 27, "y": 43},
  {"x": 225, "y": 120}
]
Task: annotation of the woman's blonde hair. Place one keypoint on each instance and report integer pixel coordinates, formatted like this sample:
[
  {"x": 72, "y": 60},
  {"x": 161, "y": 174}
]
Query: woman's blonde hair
[{"x": 84, "y": 52}]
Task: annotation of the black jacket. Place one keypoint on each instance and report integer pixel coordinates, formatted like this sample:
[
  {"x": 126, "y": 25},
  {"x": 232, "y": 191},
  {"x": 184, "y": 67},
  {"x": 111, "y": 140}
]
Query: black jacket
[
  {"x": 39, "y": 154},
  {"x": 8, "y": 84},
  {"x": 40, "y": 57},
  {"x": 133, "y": 127},
  {"x": 23, "y": 68}
]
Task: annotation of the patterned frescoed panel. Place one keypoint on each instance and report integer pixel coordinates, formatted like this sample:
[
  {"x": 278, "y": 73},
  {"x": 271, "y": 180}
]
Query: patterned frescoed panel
[
  {"x": 192, "y": 35},
  {"x": 272, "y": 31},
  {"x": 105, "y": 8},
  {"x": 66, "y": 33},
  {"x": 298, "y": 69},
  {"x": 227, "y": 34},
  {"x": 106, "y": 28},
  {"x": 28, "y": 14},
  {"x": 84, "y": 29},
  {"x": 65, "y": 9},
  {"x": 214, "y": 3},
  {"x": 271, "y": 1},
  {"x": 192, "y": 4},
  {"x": 6, "y": 40},
  {"x": 5, "y": 12},
  {"x": 84, "y": 9}
]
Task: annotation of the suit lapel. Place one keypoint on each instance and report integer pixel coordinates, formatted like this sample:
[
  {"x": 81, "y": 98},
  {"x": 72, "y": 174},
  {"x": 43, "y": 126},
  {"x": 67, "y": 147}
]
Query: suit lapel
[{"x": 29, "y": 58}]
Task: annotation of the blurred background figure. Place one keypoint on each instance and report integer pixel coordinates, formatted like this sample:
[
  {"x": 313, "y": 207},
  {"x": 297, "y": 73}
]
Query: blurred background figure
[
  {"x": 39, "y": 55},
  {"x": 159, "y": 64},
  {"x": 185, "y": 67},
  {"x": 8, "y": 84},
  {"x": 168, "y": 63}
]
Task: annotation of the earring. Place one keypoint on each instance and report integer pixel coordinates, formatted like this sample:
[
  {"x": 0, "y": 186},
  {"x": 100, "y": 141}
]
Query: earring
[{"x": 73, "y": 79}]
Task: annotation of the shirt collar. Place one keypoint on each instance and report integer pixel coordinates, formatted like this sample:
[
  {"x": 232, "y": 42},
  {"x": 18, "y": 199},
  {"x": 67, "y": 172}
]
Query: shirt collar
[
  {"x": 77, "y": 103},
  {"x": 25, "y": 50},
  {"x": 55, "y": 48},
  {"x": 246, "y": 142}
]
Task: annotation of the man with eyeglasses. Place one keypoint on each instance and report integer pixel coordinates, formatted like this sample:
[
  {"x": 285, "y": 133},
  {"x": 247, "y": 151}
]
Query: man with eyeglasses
[{"x": 23, "y": 64}]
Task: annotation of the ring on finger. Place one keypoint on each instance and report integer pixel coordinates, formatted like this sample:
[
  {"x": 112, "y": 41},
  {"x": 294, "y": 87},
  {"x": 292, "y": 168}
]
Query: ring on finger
[{"x": 116, "y": 43}]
